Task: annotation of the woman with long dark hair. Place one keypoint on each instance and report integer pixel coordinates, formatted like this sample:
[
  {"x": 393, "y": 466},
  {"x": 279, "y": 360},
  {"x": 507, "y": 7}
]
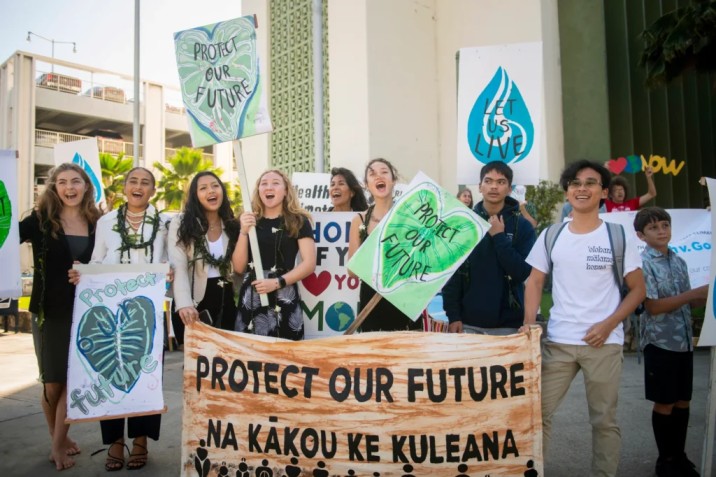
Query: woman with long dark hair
[
  {"x": 284, "y": 231},
  {"x": 200, "y": 244},
  {"x": 346, "y": 192},
  {"x": 61, "y": 229}
]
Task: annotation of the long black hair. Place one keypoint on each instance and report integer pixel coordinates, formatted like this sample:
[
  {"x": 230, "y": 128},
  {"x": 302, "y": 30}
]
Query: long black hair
[
  {"x": 358, "y": 202},
  {"x": 193, "y": 223}
]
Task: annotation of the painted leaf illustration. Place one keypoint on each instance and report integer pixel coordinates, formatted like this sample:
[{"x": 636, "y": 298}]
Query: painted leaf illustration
[
  {"x": 5, "y": 213},
  {"x": 219, "y": 74},
  {"x": 419, "y": 243},
  {"x": 80, "y": 161},
  {"x": 114, "y": 343},
  {"x": 500, "y": 127}
]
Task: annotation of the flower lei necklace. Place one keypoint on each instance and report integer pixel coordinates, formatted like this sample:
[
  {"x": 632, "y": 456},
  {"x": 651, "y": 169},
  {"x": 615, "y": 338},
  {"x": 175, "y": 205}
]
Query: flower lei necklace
[
  {"x": 132, "y": 241},
  {"x": 222, "y": 263}
]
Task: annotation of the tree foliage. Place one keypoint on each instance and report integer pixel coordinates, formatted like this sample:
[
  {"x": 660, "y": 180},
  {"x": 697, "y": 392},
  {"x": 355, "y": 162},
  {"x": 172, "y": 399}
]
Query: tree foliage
[
  {"x": 177, "y": 175},
  {"x": 113, "y": 171},
  {"x": 545, "y": 196},
  {"x": 680, "y": 40}
]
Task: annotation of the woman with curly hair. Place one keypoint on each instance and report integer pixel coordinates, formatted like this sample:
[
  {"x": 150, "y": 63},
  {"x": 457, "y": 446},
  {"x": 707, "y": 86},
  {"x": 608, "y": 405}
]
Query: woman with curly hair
[
  {"x": 200, "y": 244},
  {"x": 284, "y": 231},
  {"x": 346, "y": 192},
  {"x": 61, "y": 230}
]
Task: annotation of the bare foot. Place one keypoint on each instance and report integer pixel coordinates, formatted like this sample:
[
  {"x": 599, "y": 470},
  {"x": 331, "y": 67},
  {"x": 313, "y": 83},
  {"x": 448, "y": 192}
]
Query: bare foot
[
  {"x": 72, "y": 447},
  {"x": 60, "y": 458}
]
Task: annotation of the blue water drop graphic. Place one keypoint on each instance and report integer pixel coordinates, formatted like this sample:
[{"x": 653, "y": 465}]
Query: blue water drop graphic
[
  {"x": 500, "y": 127},
  {"x": 79, "y": 160}
]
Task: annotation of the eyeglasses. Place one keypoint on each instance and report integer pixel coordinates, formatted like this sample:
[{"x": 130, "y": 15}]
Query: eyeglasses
[{"x": 576, "y": 183}]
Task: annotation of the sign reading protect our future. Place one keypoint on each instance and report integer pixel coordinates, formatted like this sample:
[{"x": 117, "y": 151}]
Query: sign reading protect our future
[
  {"x": 117, "y": 342},
  {"x": 389, "y": 404},
  {"x": 417, "y": 246},
  {"x": 220, "y": 81}
]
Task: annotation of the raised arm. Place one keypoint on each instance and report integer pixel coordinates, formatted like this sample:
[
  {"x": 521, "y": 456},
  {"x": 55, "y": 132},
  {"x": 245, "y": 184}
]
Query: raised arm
[
  {"x": 240, "y": 258},
  {"x": 651, "y": 191}
]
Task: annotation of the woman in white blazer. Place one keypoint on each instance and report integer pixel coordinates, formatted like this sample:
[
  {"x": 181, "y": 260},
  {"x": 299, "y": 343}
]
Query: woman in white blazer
[{"x": 201, "y": 243}]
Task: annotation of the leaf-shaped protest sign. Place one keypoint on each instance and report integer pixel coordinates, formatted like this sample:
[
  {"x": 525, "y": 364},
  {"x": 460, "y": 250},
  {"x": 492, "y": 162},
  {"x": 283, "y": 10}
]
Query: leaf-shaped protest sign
[
  {"x": 418, "y": 246},
  {"x": 220, "y": 82}
]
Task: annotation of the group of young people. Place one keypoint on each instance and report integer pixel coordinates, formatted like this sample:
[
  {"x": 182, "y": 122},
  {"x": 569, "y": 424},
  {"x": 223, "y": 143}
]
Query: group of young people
[{"x": 598, "y": 280}]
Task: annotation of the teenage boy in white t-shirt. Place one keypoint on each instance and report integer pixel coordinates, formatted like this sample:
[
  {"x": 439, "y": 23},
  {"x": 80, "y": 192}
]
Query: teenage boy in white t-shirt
[{"x": 585, "y": 324}]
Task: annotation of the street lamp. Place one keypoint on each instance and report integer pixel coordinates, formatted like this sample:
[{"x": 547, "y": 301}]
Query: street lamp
[{"x": 53, "y": 41}]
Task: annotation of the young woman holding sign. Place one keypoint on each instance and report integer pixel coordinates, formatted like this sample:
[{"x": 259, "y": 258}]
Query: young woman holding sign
[
  {"x": 201, "y": 243},
  {"x": 134, "y": 233},
  {"x": 284, "y": 231},
  {"x": 61, "y": 230},
  {"x": 380, "y": 178}
]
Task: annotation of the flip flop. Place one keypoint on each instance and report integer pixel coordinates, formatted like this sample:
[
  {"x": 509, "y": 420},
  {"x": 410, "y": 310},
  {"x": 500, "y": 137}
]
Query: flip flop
[{"x": 137, "y": 461}]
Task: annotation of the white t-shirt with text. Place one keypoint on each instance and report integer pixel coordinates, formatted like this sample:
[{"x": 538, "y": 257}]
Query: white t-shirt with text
[{"x": 584, "y": 291}]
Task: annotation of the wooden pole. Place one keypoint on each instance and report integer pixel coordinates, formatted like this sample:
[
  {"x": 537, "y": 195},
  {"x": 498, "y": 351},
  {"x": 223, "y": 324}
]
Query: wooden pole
[
  {"x": 246, "y": 199},
  {"x": 363, "y": 314}
]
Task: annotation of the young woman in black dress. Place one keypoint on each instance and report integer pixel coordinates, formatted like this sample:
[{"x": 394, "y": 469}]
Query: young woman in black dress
[
  {"x": 61, "y": 230},
  {"x": 284, "y": 231}
]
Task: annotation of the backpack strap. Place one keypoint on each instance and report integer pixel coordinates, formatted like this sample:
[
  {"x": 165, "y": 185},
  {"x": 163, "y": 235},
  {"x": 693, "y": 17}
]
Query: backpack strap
[
  {"x": 550, "y": 238},
  {"x": 616, "y": 242}
]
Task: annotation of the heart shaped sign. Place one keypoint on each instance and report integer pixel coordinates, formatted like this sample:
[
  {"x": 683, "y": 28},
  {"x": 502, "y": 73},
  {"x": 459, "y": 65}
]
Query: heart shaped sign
[
  {"x": 317, "y": 284},
  {"x": 5, "y": 213},
  {"x": 114, "y": 343},
  {"x": 420, "y": 242},
  {"x": 219, "y": 76},
  {"x": 617, "y": 165}
]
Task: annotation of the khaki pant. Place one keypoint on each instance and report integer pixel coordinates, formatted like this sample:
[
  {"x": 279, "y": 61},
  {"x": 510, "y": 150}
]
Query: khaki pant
[{"x": 602, "y": 369}]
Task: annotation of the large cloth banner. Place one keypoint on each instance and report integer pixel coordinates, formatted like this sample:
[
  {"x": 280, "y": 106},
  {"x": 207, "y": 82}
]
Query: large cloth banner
[
  {"x": 499, "y": 110},
  {"x": 417, "y": 246},
  {"x": 708, "y": 330},
  {"x": 10, "y": 284},
  {"x": 220, "y": 81},
  {"x": 117, "y": 342},
  {"x": 85, "y": 154},
  {"x": 329, "y": 297},
  {"x": 388, "y": 404},
  {"x": 690, "y": 238}
]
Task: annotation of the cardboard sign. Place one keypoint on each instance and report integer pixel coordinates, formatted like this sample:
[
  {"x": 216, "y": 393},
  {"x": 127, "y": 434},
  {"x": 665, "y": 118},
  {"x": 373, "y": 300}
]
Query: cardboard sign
[
  {"x": 117, "y": 342},
  {"x": 388, "y": 404},
  {"x": 417, "y": 246},
  {"x": 220, "y": 81},
  {"x": 499, "y": 110},
  {"x": 10, "y": 284},
  {"x": 708, "y": 331},
  {"x": 85, "y": 154}
]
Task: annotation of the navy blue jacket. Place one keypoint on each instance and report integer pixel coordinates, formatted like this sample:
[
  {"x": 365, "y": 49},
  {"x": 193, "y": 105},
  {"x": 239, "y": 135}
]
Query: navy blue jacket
[{"x": 488, "y": 289}]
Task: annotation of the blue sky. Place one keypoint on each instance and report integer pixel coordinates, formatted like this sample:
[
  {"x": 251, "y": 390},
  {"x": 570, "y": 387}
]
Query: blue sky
[{"x": 103, "y": 30}]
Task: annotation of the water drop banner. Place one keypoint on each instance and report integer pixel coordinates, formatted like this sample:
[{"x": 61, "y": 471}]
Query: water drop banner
[
  {"x": 499, "y": 110},
  {"x": 220, "y": 81},
  {"x": 388, "y": 404},
  {"x": 10, "y": 283},
  {"x": 117, "y": 342},
  {"x": 329, "y": 297},
  {"x": 85, "y": 154},
  {"x": 418, "y": 245}
]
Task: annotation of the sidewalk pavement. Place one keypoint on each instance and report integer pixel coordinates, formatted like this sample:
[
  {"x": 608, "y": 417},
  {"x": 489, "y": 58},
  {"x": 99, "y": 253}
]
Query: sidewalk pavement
[{"x": 25, "y": 444}]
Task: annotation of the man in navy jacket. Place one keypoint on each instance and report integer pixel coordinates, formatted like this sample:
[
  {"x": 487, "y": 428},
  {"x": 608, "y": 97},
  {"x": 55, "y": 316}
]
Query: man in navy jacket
[{"x": 486, "y": 295}]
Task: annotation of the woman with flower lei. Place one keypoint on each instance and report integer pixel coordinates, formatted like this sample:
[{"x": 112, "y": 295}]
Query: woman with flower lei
[
  {"x": 284, "y": 231},
  {"x": 62, "y": 231},
  {"x": 380, "y": 177},
  {"x": 201, "y": 242},
  {"x": 133, "y": 233}
]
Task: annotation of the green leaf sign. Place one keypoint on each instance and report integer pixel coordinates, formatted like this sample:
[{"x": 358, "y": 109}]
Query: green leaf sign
[
  {"x": 5, "y": 213},
  {"x": 418, "y": 246},
  {"x": 220, "y": 81}
]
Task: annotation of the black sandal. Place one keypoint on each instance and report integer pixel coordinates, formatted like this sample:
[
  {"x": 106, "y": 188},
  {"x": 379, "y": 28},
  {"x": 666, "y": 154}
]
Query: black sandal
[
  {"x": 140, "y": 459},
  {"x": 112, "y": 463}
]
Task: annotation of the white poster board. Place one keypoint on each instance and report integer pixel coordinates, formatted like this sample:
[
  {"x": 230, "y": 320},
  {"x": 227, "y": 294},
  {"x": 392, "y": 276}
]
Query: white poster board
[
  {"x": 312, "y": 190},
  {"x": 708, "y": 331},
  {"x": 117, "y": 342},
  {"x": 10, "y": 284},
  {"x": 499, "y": 110},
  {"x": 329, "y": 297},
  {"x": 85, "y": 154}
]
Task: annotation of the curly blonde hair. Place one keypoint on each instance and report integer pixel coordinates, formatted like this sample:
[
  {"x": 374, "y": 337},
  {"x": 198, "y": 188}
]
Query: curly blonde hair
[
  {"x": 49, "y": 205},
  {"x": 293, "y": 213}
]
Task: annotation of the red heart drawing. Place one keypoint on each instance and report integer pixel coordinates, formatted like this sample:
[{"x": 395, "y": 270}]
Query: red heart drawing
[
  {"x": 617, "y": 165},
  {"x": 317, "y": 284}
]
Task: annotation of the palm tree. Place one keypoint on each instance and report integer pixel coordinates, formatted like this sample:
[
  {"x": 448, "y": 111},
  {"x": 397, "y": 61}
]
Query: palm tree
[
  {"x": 680, "y": 40},
  {"x": 175, "y": 178},
  {"x": 234, "y": 193},
  {"x": 114, "y": 169}
]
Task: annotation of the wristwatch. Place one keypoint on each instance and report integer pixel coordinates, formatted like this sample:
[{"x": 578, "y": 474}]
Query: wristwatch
[{"x": 281, "y": 282}]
